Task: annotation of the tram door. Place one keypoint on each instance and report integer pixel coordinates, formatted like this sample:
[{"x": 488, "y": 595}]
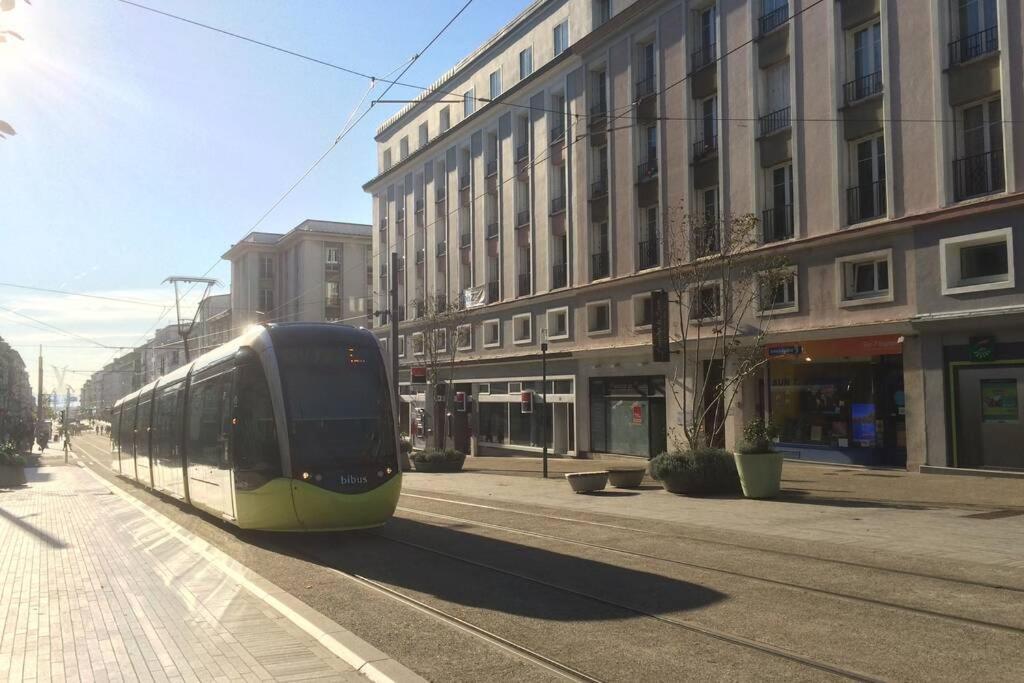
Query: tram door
[
  {"x": 990, "y": 421},
  {"x": 210, "y": 475}
]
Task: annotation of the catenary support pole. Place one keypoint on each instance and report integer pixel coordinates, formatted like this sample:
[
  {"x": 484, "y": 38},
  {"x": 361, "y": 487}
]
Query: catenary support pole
[{"x": 544, "y": 403}]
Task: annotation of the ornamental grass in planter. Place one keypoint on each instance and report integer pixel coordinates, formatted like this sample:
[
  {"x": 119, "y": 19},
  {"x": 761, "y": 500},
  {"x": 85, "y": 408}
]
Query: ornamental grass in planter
[
  {"x": 758, "y": 463},
  {"x": 697, "y": 472},
  {"x": 12, "y": 467},
  {"x": 438, "y": 460}
]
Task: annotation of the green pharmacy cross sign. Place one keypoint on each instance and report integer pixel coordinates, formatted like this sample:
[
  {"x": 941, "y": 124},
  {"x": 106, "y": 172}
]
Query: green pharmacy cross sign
[{"x": 982, "y": 348}]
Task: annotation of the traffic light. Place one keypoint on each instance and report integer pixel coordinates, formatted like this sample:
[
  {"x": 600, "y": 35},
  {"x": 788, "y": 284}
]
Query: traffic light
[
  {"x": 460, "y": 401},
  {"x": 526, "y": 402},
  {"x": 62, "y": 417}
]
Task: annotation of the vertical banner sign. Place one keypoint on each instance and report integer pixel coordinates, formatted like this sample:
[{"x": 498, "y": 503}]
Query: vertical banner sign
[{"x": 659, "y": 325}]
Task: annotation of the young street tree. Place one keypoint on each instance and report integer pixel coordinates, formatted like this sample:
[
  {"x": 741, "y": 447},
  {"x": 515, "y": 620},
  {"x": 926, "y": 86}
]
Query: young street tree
[
  {"x": 441, "y": 327},
  {"x": 723, "y": 289}
]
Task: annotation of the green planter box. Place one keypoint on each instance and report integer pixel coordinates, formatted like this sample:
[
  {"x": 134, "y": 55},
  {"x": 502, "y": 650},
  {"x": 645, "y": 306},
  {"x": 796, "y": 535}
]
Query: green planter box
[{"x": 760, "y": 474}]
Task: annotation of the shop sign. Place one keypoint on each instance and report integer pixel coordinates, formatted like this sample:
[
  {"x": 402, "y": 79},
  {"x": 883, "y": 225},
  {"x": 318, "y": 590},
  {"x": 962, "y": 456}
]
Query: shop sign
[
  {"x": 999, "y": 400},
  {"x": 777, "y": 350},
  {"x": 982, "y": 349},
  {"x": 638, "y": 414},
  {"x": 418, "y": 374},
  {"x": 883, "y": 345}
]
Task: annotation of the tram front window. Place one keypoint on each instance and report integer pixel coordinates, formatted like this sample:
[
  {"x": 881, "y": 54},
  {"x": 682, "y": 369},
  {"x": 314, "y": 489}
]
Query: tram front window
[{"x": 338, "y": 408}]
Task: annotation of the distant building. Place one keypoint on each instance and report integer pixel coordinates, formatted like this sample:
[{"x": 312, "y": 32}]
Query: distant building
[
  {"x": 319, "y": 270},
  {"x": 163, "y": 353},
  {"x": 213, "y": 324},
  {"x": 117, "y": 378},
  {"x": 16, "y": 404}
]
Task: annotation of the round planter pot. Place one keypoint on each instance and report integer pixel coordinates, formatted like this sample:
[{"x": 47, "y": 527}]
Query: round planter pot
[
  {"x": 760, "y": 473},
  {"x": 442, "y": 466},
  {"x": 682, "y": 485},
  {"x": 626, "y": 477},
  {"x": 12, "y": 475},
  {"x": 587, "y": 482}
]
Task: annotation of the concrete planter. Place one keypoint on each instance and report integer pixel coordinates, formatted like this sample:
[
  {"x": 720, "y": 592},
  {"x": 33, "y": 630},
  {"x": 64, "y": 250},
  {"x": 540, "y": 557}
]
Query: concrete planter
[
  {"x": 587, "y": 482},
  {"x": 626, "y": 477},
  {"x": 439, "y": 465},
  {"x": 760, "y": 474},
  {"x": 12, "y": 476}
]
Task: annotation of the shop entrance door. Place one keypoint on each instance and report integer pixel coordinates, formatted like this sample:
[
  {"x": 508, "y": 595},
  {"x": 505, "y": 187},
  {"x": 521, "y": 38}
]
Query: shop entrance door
[{"x": 990, "y": 425}]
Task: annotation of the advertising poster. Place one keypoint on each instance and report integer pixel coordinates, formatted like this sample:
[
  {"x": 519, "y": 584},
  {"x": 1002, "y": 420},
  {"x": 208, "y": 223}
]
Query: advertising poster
[
  {"x": 863, "y": 418},
  {"x": 999, "y": 400}
]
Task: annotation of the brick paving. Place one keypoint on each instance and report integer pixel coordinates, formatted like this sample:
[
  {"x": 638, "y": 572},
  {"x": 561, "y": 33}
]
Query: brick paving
[{"x": 93, "y": 589}]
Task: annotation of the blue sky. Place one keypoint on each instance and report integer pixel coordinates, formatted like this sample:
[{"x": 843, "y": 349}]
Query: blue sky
[{"x": 146, "y": 146}]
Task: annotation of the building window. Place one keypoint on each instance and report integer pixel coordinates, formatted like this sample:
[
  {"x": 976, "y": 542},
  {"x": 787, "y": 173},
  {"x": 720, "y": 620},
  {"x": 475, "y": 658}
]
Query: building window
[
  {"x": 599, "y": 317},
  {"x": 776, "y": 99},
  {"x": 266, "y": 301},
  {"x": 646, "y": 76},
  {"x": 492, "y": 333},
  {"x": 417, "y": 344},
  {"x": 464, "y": 337},
  {"x": 332, "y": 257},
  {"x": 777, "y": 220},
  {"x": 401, "y": 346},
  {"x": 777, "y": 292},
  {"x": 976, "y": 25},
  {"x": 643, "y": 312},
  {"x": 706, "y": 129},
  {"x": 864, "y": 278},
  {"x": 522, "y": 328},
  {"x": 495, "y": 83},
  {"x": 468, "y": 102},
  {"x": 561, "y": 37},
  {"x": 648, "y": 248},
  {"x": 387, "y": 159},
  {"x": 444, "y": 120},
  {"x": 866, "y": 198},
  {"x": 979, "y": 262},
  {"x": 978, "y": 168},
  {"x": 600, "y": 259},
  {"x": 403, "y": 147},
  {"x": 558, "y": 323},
  {"x": 866, "y": 63},
  {"x": 707, "y": 228},
  {"x": 266, "y": 265},
  {"x": 332, "y": 293},
  {"x": 602, "y": 11},
  {"x": 525, "y": 63},
  {"x": 441, "y": 341},
  {"x": 424, "y": 134},
  {"x": 703, "y": 38},
  {"x": 706, "y": 303}
]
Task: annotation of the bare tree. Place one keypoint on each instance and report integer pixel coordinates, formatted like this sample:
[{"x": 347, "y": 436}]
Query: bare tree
[
  {"x": 441, "y": 324},
  {"x": 723, "y": 291}
]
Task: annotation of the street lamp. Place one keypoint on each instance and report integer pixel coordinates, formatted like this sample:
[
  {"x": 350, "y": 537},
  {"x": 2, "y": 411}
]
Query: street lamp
[{"x": 544, "y": 397}]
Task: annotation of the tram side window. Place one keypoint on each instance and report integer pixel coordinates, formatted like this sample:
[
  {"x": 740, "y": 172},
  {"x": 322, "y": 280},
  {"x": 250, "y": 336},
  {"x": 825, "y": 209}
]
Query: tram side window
[
  {"x": 127, "y": 427},
  {"x": 142, "y": 440},
  {"x": 255, "y": 434},
  {"x": 209, "y": 421},
  {"x": 165, "y": 426},
  {"x": 115, "y": 427}
]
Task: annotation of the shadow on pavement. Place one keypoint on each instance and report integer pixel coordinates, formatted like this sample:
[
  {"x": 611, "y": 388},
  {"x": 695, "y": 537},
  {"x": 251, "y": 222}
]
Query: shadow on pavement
[
  {"x": 46, "y": 538},
  {"x": 811, "y": 497},
  {"x": 454, "y": 578}
]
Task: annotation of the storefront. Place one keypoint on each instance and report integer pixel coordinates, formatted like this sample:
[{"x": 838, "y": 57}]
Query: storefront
[
  {"x": 516, "y": 414},
  {"x": 838, "y": 400},
  {"x": 627, "y": 415}
]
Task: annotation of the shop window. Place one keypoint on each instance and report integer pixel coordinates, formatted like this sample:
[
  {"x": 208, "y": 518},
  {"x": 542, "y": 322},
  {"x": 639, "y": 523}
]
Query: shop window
[
  {"x": 558, "y": 323},
  {"x": 643, "y": 312},
  {"x": 979, "y": 262},
  {"x": 864, "y": 278},
  {"x": 483, "y": 388},
  {"x": 492, "y": 333},
  {"x": 706, "y": 303},
  {"x": 599, "y": 317},
  {"x": 401, "y": 346},
  {"x": 515, "y": 387},
  {"x": 417, "y": 344},
  {"x": 522, "y": 328},
  {"x": 464, "y": 337},
  {"x": 777, "y": 293}
]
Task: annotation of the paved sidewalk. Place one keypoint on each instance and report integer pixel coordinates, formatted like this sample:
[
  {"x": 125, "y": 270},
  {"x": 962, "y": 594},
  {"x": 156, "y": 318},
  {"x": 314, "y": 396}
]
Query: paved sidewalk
[{"x": 93, "y": 589}]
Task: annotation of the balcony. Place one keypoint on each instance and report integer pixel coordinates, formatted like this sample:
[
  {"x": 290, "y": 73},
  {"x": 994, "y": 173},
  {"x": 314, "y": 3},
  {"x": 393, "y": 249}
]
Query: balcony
[
  {"x": 707, "y": 238},
  {"x": 557, "y": 205},
  {"x": 464, "y": 181},
  {"x": 420, "y": 256},
  {"x": 599, "y": 188},
  {"x": 492, "y": 167},
  {"x": 863, "y": 87},
  {"x": 332, "y": 266},
  {"x": 647, "y": 255},
  {"x": 864, "y": 202},
  {"x": 599, "y": 265},
  {"x": 705, "y": 147},
  {"x": 492, "y": 292},
  {"x": 978, "y": 175},
  {"x": 492, "y": 230},
  {"x": 973, "y": 46},
  {"x": 522, "y": 218},
  {"x": 419, "y": 205},
  {"x": 557, "y": 133},
  {"x": 399, "y": 215},
  {"x": 775, "y": 121},
  {"x": 777, "y": 224},
  {"x": 774, "y": 19},
  {"x": 439, "y": 194},
  {"x": 648, "y": 170},
  {"x": 522, "y": 151},
  {"x": 645, "y": 87},
  {"x": 465, "y": 240},
  {"x": 559, "y": 275},
  {"x": 702, "y": 57},
  {"x": 523, "y": 282},
  {"x": 442, "y": 248}
]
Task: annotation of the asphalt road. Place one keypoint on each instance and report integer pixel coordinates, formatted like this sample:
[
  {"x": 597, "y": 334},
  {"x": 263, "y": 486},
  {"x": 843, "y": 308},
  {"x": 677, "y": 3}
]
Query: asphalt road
[{"x": 616, "y": 600}]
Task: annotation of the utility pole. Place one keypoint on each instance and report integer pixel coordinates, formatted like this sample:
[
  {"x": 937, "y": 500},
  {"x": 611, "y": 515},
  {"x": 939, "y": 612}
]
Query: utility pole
[
  {"x": 403, "y": 458},
  {"x": 544, "y": 397},
  {"x": 41, "y": 415},
  {"x": 185, "y": 326}
]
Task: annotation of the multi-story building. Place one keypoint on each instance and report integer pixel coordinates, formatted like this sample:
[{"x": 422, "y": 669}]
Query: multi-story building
[
  {"x": 162, "y": 354},
  {"x": 871, "y": 139},
  {"x": 213, "y": 323},
  {"x": 119, "y": 377},
  {"x": 319, "y": 270}
]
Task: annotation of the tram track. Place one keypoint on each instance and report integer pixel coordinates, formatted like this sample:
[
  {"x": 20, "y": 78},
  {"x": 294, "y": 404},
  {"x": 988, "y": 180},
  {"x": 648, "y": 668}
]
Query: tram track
[{"x": 726, "y": 544}]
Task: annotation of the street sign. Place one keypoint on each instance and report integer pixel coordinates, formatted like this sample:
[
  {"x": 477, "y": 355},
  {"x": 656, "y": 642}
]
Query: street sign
[{"x": 659, "y": 326}]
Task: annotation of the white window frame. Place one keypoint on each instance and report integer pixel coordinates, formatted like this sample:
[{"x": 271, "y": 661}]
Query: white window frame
[
  {"x": 332, "y": 300},
  {"x": 842, "y": 299},
  {"x": 986, "y": 126},
  {"x": 490, "y": 83},
  {"x": 792, "y": 307},
  {"x": 527, "y": 54},
  {"x": 949, "y": 262},
  {"x": 591, "y": 305},
  {"x": 561, "y": 310},
  {"x": 634, "y": 300},
  {"x": 694, "y": 290},
  {"x": 851, "y": 49},
  {"x": 483, "y": 388},
  {"x": 401, "y": 346},
  {"x": 468, "y": 345},
  {"x": 562, "y": 25},
  {"x": 335, "y": 252},
  {"x": 516, "y": 319},
  {"x": 495, "y": 324},
  {"x": 468, "y": 102},
  {"x": 417, "y": 340}
]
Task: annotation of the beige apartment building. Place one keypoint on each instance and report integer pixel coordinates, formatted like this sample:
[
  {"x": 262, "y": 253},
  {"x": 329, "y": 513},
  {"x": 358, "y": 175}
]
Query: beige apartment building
[
  {"x": 871, "y": 138},
  {"x": 317, "y": 271}
]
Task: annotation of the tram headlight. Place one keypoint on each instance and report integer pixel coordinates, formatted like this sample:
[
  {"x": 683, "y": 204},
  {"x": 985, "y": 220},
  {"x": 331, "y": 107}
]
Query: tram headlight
[
  {"x": 305, "y": 475},
  {"x": 388, "y": 470}
]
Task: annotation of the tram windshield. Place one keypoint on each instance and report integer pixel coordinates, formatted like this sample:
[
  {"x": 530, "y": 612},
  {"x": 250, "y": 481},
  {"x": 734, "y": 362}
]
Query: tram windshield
[{"x": 338, "y": 406}]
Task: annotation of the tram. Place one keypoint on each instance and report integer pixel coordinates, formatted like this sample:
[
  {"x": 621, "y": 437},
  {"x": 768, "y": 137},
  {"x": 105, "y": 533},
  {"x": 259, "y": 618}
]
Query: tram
[{"x": 289, "y": 427}]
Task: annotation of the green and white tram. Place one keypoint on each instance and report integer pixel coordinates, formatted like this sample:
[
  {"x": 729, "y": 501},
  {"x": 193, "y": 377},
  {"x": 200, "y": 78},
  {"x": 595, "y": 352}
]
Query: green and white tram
[{"x": 289, "y": 427}]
